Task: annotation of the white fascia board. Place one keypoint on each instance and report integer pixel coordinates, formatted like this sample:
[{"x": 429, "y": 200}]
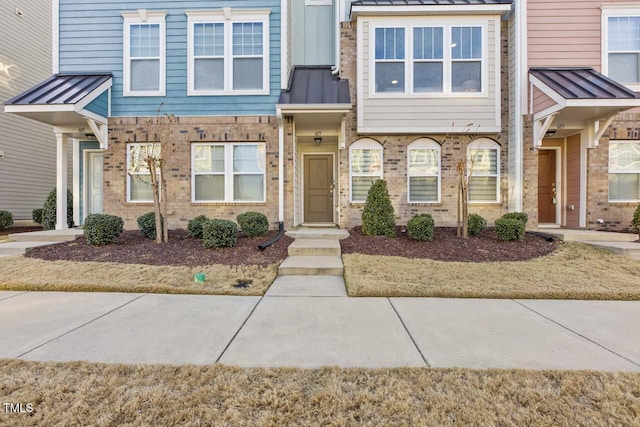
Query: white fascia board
[
  {"x": 546, "y": 89},
  {"x": 39, "y": 108},
  {"x": 431, "y": 130},
  {"x": 604, "y": 102},
  {"x": 313, "y": 108},
  {"x": 94, "y": 94},
  {"x": 481, "y": 9},
  {"x": 93, "y": 116},
  {"x": 228, "y": 13},
  {"x": 548, "y": 111}
]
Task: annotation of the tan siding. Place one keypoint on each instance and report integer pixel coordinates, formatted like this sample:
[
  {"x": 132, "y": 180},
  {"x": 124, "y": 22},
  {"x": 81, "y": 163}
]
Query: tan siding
[
  {"x": 541, "y": 101},
  {"x": 423, "y": 114},
  {"x": 573, "y": 181},
  {"x": 27, "y": 172}
]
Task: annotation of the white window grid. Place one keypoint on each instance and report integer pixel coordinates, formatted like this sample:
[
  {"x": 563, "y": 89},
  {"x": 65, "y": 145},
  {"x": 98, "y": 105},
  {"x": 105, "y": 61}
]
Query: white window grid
[
  {"x": 364, "y": 144},
  {"x": 612, "y": 171},
  {"x": 483, "y": 144},
  {"x": 134, "y": 19},
  {"x": 617, "y": 11},
  {"x": 424, "y": 144}
]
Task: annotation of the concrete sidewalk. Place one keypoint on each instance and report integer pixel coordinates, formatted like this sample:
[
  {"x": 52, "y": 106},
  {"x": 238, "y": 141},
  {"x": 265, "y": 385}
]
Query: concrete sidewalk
[{"x": 286, "y": 329}]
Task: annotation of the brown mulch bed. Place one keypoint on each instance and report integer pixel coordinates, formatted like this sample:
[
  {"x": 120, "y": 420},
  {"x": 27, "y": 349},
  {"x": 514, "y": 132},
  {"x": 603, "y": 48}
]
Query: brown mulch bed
[
  {"x": 446, "y": 246},
  {"x": 14, "y": 230},
  {"x": 181, "y": 250}
]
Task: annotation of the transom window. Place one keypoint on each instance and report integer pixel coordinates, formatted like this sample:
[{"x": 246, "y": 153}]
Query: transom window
[
  {"x": 228, "y": 172},
  {"x": 483, "y": 168},
  {"x": 423, "y": 171},
  {"x": 624, "y": 171},
  {"x": 443, "y": 59},
  {"x": 139, "y": 189},
  {"x": 144, "y": 54},
  {"x": 365, "y": 166},
  {"x": 228, "y": 55}
]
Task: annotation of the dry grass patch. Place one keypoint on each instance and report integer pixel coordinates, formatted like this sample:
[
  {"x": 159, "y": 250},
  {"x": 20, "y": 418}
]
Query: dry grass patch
[
  {"x": 29, "y": 274},
  {"x": 107, "y": 395},
  {"x": 573, "y": 271}
]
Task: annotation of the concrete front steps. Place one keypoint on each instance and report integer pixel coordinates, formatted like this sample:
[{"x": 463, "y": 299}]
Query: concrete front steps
[
  {"x": 568, "y": 235},
  {"x": 630, "y": 249},
  {"x": 315, "y": 252},
  {"x": 19, "y": 242}
]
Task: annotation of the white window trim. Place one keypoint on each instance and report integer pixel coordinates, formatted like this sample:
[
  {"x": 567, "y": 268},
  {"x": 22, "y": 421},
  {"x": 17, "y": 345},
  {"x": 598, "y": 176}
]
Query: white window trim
[
  {"x": 446, "y": 23},
  {"x": 364, "y": 144},
  {"x": 422, "y": 144},
  {"x": 130, "y": 173},
  {"x": 318, "y": 2},
  {"x": 612, "y": 11},
  {"x": 228, "y": 172},
  {"x": 484, "y": 144},
  {"x": 143, "y": 17},
  {"x": 228, "y": 17},
  {"x": 620, "y": 141}
]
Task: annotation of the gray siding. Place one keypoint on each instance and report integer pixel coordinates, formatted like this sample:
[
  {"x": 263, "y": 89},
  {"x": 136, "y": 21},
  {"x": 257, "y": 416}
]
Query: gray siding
[
  {"x": 313, "y": 33},
  {"x": 28, "y": 170},
  {"x": 410, "y": 114}
]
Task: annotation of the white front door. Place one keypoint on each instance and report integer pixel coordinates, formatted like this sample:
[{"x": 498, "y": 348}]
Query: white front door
[{"x": 94, "y": 183}]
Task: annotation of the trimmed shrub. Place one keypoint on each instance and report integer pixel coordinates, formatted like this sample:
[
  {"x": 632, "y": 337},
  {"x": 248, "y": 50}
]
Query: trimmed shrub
[
  {"x": 635, "y": 222},
  {"x": 102, "y": 229},
  {"x": 147, "y": 225},
  {"x": 509, "y": 229},
  {"x": 195, "y": 226},
  {"x": 6, "y": 219},
  {"x": 378, "y": 218},
  {"x": 520, "y": 216},
  {"x": 219, "y": 233},
  {"x": 36, "y": 215},
  {"x": 476, "y": 224},
  {"x": 253, "y": 223},
  {"x": 420, "y": 227},
  {"x": 49, "y": 211}
]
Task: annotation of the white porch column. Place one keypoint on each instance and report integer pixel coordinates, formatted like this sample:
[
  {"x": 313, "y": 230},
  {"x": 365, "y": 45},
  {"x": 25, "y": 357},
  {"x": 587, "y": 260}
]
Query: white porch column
[
  {"x": 76, "y": 180},
  {"x": 281, "y": 160},
  {"x": 61, "y": 182}
]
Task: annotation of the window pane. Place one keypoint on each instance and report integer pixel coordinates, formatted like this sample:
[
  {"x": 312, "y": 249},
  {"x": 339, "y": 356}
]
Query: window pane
[
  {"x": 247, "y": 73},
  {"x": 209, "y": 187},
  {"x": 144, "y": 40},
  {"x": 360, "y": 186},
  {"x": 423, "y": 189},
  {"x": 366, "y": 161},
  {"x": 624, "y": 67},
  {"x": 208, "y": 159},
  {"x": 209, "y": 74},
  {"x": 624, "y": 33},
  {"x": 145, "y": 74},
  {"x": 466, "y": 76},
  {"x": 248, "y": 158},
  {"x": 248, "y": 188},
  {"x": 427, "y": 77},
  {"x": 484, "y": 162},
  {"x": 482, "y": 189},
  {"x": 389, "y": 77},
  {"x": 624, "y": 157},
  {"x": 389, "y": 43},
  {"x": 427, "y": 43},
  {"x": 208, "y": 39},
  {"x": 624, "y": 186},
  {"x": 423, "y": 162},
  {"x": 466, "y": 42},
  {"x": 140, "y": 188},
  {"x": 247, "y": 38}
]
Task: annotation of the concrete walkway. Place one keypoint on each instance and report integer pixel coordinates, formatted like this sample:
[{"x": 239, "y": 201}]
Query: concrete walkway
[{"x": 322, "y": 328}]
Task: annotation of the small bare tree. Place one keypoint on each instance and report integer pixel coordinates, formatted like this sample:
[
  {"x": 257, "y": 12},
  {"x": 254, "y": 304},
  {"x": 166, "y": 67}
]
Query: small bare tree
[{"x": 158, "y": 132}]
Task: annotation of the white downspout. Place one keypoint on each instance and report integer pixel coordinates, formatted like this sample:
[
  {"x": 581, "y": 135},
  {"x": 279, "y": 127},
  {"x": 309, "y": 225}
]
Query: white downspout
[
  {"x": 61, "y": 182},
  {"x": 280, "y": 165},
  {"x": 284, "y": 43},
  {"x": 337, "y": 8}
]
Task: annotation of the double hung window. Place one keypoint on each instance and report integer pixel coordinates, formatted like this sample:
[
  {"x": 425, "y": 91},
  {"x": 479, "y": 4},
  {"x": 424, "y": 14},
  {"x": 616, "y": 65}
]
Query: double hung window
[
  {"x": 624, "y": 171},
  {"x": 365, "y": 160},
  {"x": 423, "y": 171},
  {"x": 623, "y": 48},
  {"x": 139, "y": 187},
  {"x": 483, "y": 168},
  {"x": 144, "y": 54}
]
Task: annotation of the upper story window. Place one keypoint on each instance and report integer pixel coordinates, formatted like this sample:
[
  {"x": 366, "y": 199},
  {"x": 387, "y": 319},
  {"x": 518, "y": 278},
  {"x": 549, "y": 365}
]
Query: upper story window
[
  {"x": 144, "y": 53},
  {"x": 621, "y": 44},
  {"x": 483, "y": 168},
  {"x": 423, "y": 171},
  {"x": 624, "y": 171},
  {"x": 228, "y": 52},
  {"x": 439, "y": 59},
  {"x": 365, "y": 166}
]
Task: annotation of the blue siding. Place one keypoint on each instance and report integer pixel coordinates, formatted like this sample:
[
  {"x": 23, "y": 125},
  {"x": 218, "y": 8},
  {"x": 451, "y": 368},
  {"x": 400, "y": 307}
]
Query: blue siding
[
  {"x": 100, "y": 105},
  {"x": 84, "y": 145},
  {"x": 91, "y": 41}
]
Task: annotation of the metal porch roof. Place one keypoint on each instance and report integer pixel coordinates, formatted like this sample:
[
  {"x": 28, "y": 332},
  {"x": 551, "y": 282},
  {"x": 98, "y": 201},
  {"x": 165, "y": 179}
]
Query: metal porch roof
[
  {"x": 315, "y": 85},
  {"x": 428, "y": 2},
  {"x": 582, "y": 83},
  {"x": 61, "y": 89}
]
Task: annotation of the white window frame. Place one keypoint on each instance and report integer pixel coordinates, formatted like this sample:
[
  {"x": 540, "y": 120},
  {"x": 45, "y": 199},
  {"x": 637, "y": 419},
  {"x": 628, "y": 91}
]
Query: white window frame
[
  {"x": 318, "y": 2},
  {"x": 130, "y": 174},
  {"x": 620, "y": 141},
  {"x": 447, "y": 23},
  {"x": 484, "y": 144},
  {"x": 228, "y": 17},
  {"x": 364, "y": 144},
  {"x": 613, "y": 11},
  {"x": 424, "y": 144},
  {"x": 143, "y": 17},
  {"x": 229, "y": 174}
]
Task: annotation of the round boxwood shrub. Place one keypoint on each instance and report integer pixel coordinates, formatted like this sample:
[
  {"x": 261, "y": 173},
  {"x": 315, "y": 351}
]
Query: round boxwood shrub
[
  {"x": 195, "y": 226},
  {"x": 253, "y": 223},
  {"x": 378, "y": 218},
  {"x": 520, "y": 216},
  {"x": 420, "y": 227},
  {"x": 49, "y": 211},
  {"x": 476, "y": 224},
  {"x": 147, "y": 225},
  {"x": 510, "y": 229},
  {"x": 102, "y": 229},
  {"x": 635, "y": 222},
  {"x": 219, "y": 233},
  {"x": 6, "y": 219},
  {"x": 36, "y": 215}
]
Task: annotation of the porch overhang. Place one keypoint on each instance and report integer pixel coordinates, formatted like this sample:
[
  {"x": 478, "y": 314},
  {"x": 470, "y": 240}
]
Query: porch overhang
[
  {"x": 429, "y": 7},
  {"x": 64, "y": 101},
  {"x": 579, "y": 99}
]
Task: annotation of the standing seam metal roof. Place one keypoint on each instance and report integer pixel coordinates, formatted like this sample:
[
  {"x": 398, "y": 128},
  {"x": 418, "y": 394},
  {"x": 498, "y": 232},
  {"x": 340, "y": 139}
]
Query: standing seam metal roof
[
  {"x": 428, "y": 2},
  {"x": 315, "y": 85},
  {"x": 582, "y": 83},
  {"x": 61, "y": 89}
]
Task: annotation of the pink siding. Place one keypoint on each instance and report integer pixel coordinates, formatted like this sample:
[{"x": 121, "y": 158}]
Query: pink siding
[
  {"x": 541, "y": 101},
  {"x": 564, "y": 33}
]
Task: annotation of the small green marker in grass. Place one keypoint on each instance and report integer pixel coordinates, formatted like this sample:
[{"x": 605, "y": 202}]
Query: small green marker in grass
[{"x": 199, "y": 278}]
